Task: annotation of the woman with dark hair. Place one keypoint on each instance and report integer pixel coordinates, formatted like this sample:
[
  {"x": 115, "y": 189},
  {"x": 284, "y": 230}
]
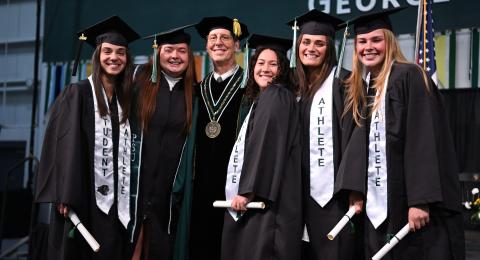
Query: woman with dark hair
[
  {"x": 406, "y": 152},
  {"x": 325, "y": 135},
  {"x": 265, "y": 163},
  {"x": 164, "y": 111},
  {"x": 85, "y": 165}
]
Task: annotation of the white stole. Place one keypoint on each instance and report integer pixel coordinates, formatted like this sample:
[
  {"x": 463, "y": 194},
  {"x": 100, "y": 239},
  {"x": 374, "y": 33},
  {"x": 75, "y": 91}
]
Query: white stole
[
  {"x": 377, "y": 196},
  {"x": 235, "y": 165},
  {"x": 103, "y": 162},
  {"x": 321, "y": 143}
]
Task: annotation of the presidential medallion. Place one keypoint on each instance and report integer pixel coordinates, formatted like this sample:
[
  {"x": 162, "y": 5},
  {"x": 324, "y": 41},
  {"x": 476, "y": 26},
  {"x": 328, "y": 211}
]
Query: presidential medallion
[{"x": 213, "y": 129}]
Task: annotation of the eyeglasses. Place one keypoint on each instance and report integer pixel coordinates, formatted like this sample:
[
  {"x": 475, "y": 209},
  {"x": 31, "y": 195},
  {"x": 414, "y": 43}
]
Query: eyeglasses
[{"x": 223, "y": 37}]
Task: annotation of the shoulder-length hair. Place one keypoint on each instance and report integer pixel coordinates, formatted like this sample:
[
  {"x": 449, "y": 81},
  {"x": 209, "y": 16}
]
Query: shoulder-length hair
[
  {"x": 146, "y": 98},
  {"x": 123, "y": 84},
  {"x": 309, "y": 83},
  {"x": 355, "y": 98},
  {"x": 283, "y": 74}
]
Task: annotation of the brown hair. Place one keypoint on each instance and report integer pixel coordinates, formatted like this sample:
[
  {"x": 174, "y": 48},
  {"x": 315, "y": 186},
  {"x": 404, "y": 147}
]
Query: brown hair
[
  {"x": 283, "y": 73},
  {"x": 146, "y": 99},
  {"x": 308, "y": 84},
  {"x": 123, "y": 84}
]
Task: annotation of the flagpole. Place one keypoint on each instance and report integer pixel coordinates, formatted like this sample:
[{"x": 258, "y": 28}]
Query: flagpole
[
  {"x": 419, "y": 24},
  {"x": 424, "y": 35}
]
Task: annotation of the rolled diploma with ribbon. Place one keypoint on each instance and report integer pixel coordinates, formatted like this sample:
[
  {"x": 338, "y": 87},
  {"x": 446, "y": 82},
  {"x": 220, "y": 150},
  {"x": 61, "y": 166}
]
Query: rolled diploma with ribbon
[
  {"x": 388, "y": 246},
  {"x": 228, "y": 204},
  {"x": 350, "y": 213},
  {"x": 88, "y": 237}
]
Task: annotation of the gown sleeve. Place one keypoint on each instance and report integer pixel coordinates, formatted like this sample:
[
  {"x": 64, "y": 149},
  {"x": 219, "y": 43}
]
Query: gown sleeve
[
  {"x": 62, "y": 164},
  {"x": 421, "y": 164},
  {"x": 267, "y": 145},
  {"x": 352, "y": 171}
]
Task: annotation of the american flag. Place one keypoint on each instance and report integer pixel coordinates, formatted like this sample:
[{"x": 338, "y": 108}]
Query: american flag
[{"x": 425, "y": 55}]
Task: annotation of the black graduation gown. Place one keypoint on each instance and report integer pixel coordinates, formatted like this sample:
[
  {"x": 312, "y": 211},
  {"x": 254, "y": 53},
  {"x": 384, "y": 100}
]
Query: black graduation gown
[
  {"x": 320, "y": 220},
  {"x": 211, "y": 162},
  {"x": 161, "y": 150},
  {"x": 272, "y": 172},
  {"x": 421, "y": 168},
  {"x": 66, "y": 176}
]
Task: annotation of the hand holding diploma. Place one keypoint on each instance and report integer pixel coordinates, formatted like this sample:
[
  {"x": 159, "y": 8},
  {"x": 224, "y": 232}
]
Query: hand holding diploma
[
  {"x": 395, "y": 239},
  {"x": 339, "y": 226},
  {"x": 228, "y": 204},
  {"x": 239, "y": 203},
  {"x": 62, "y": 209},
  {"x": 81, "y": 228},
  {"x": 356, "y": 206},
  {"x": 355, "y": 199},
  {"x": 418, "y": 217}
]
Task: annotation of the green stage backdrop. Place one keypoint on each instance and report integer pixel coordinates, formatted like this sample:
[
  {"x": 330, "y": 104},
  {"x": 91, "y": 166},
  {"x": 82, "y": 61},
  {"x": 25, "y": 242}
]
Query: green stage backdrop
[{"x": 63, "y": 18}]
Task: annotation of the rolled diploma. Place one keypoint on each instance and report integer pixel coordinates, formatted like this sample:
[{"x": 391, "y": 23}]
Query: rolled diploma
[
  {"x": 228, "y": 204},
  {"x": 388, "y": 246},
  {"x": 341, "y": 223},
  {"x": 88, "y": 237}
]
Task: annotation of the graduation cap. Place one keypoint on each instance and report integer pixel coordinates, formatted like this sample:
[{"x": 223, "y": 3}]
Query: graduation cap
[
  {"x": 256, "y": 41},
  {"x": 313, "y": 22},
  {"x": 112, "y": 30},
  {"x": 370, "y": 22},
  {"x": 207, "y": 24},
  {"x": 172, "y": 36},
  {"x": 316, "y": 22}
]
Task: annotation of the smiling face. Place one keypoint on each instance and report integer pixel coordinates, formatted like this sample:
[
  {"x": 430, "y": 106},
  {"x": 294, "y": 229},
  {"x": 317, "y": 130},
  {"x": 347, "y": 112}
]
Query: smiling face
[
  {"x": 221, "y": 46},
  {"x": 312, "y": 50},
  {"x": 113, "y": 58},
  {"x": 266, "y": 68},
  {"x": 370, "y": 48},
  {"x": 174, "y": 59}
]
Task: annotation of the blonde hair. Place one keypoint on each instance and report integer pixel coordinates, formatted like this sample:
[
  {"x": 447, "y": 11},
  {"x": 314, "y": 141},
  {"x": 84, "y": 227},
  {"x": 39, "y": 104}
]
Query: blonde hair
[{"x": 356, "y": 98}]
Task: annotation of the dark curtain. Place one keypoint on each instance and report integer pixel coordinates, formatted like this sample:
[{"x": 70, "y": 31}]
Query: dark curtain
[{"x": 463, "y": 110}]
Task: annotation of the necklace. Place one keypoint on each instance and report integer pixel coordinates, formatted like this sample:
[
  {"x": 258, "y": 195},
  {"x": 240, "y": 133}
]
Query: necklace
[{"x": 215, "y": 108}]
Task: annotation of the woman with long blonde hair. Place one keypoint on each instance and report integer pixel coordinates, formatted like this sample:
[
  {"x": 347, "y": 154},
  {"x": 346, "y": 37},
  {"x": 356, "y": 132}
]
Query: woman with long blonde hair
[{"x": 407, "y": 152}]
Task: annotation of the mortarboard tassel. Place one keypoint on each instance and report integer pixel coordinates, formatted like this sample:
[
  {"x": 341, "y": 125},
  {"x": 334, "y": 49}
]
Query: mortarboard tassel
[
  {"x": 293, "y": 55},
  {"x": 237, "y": 29},
  {"x": 82, "y": 38},
  {"x": 342, "y": 52},
  {"x": 153, "y": 78},
  {"x": 245, "y": 66},
  {"x": 71, "y": 232}
]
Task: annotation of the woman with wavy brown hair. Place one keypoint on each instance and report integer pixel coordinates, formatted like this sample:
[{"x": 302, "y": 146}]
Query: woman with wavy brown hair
[
  {"x": 264, "y": 163},
  {"x": 407, "y": 149},
  {"x": 164, "y": 105},
  {"x": 326, "y": 130}
]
